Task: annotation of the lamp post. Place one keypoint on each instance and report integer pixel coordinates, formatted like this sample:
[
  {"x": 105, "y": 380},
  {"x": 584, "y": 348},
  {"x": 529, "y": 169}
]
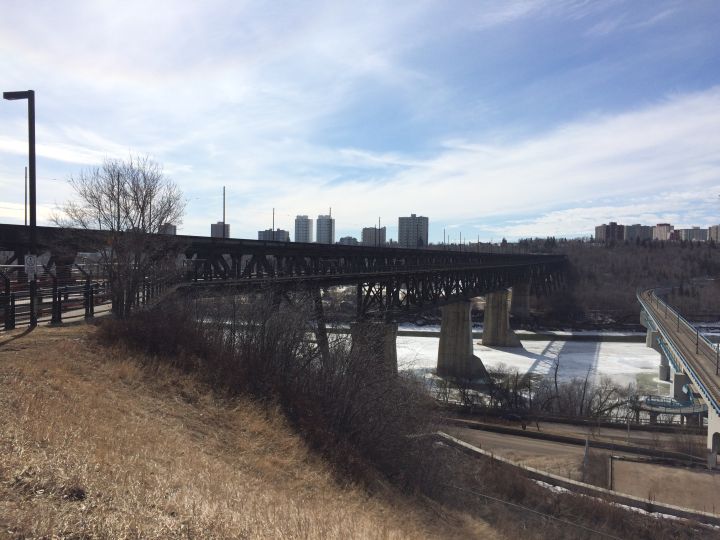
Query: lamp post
[{"x": 30, "y": 96}]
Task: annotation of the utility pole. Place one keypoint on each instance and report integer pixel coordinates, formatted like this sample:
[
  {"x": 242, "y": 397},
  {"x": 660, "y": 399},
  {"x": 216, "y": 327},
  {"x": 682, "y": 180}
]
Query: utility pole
[
  {"x": 223, "y": 231},
  {"x": 30, "y": 96},
  {"x": 26, "y": 196}
]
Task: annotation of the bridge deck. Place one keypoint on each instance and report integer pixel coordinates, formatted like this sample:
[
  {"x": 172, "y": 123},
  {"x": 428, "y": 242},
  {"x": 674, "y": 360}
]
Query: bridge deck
[{"x": 697, "y": 354}]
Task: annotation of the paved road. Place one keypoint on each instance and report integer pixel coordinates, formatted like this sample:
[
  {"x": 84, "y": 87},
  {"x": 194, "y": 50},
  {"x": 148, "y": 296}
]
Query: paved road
[{"x": 688, "y": 487}]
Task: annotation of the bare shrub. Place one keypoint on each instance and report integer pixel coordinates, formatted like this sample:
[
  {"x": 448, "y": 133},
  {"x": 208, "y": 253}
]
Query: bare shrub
[{"x": 346, "y": 403}]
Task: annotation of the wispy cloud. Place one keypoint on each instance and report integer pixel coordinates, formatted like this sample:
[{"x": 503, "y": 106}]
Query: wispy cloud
[{"x": 472, "y": 113}]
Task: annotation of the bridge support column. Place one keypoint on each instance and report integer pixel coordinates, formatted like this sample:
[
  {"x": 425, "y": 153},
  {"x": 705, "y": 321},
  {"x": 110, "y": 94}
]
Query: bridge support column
[
  {"x": 679, "y": 380},
  {"x": 664, "y": 371},
  {"x": 713, "y": 437},
  {"x": 376, "y": 342},
  {"x": 455, "y": 352},
  {"x": 496, "y": 326},
  {"x": 520, "y": 301},
  {"x": 651, "y": 340}
]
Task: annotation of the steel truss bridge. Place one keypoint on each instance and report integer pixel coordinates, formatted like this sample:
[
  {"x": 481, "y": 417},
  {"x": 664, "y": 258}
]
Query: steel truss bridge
[{"x": 390, "y": 281}]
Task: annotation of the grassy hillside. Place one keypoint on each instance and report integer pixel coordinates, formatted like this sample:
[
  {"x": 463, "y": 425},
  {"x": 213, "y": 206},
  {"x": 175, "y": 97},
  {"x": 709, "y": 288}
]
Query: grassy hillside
[{"x": 94, "y": 445}]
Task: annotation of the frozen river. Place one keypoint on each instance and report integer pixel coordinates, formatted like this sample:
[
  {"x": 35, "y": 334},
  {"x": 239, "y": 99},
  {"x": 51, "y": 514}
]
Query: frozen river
[{"x": 623, "y": 362}]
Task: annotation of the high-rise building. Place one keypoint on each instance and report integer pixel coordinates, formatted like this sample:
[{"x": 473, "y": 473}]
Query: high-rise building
[
  {"x": 637, "y": 232},
  {"x": 303, "y": 229},
  {"x": 325, "y": 230},
  {"x": 695, "y": 233},
  {"x": 348, "y": 241},
  {"x": 714, "y": 233},
  {"x": 662, "y": 231},
  {"x": 612, "y": 232},
  {"x": 220, "y": 230},
  {"x": 167, "y": 228},
  {"x": 413, "y": 231},
  {"x": 600, "y": 233},
  {"x": 373, "y": 236},
  {"x": 278, "y": 235}
]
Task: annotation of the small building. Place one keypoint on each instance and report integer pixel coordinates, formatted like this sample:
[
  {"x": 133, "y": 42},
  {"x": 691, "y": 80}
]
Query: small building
[{"x": 167, "y": 228}]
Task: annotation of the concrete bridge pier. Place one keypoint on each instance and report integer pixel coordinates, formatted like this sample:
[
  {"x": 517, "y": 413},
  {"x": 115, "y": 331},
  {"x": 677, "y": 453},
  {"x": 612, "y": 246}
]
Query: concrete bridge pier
[
  {"x": 455, "y": 352},
  {"x": 652, "y": 340},
  {"x": 713, "y": 437},
  {"x": 376, "y": 342},
  {"x": 664, "y": 370},
  {"x": 496, "y": 325},
  {"x": 678, "y": 380},
  {"x": 520, "y": 301}
]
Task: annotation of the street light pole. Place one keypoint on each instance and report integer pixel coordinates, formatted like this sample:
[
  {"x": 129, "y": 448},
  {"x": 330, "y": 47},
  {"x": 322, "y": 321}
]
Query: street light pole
[{"x": 30, "y": 96}]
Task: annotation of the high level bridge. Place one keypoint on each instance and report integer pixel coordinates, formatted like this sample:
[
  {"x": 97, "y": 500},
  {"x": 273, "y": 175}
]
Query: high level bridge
[
  {"x": 391, "y": 283},
  {"x": 687, "y": 359}
]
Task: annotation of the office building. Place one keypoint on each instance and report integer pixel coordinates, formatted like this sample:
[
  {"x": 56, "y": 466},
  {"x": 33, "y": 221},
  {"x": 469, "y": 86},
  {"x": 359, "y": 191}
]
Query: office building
[
  {"x": 220, "y": 230},
  {"x": 303, "y": 229},
  {"x": 325, "y": 233},
  {"x": 413, "y": 231},
  {"x": 373, "y": 236},
  {"x": 278, "y": 235}
]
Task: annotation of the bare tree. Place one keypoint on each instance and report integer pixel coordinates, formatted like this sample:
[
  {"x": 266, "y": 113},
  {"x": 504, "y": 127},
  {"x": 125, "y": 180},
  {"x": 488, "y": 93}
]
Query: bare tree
[{"x": 131, "y": 200}]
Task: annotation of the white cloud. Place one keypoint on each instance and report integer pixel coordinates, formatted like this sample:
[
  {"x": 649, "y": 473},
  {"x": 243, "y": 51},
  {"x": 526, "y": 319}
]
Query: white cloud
[{"x": 243, "y": 94}]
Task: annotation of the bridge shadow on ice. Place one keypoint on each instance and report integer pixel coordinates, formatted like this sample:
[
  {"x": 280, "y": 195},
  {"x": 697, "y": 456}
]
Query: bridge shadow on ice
[{"x": 577, "y": 358}]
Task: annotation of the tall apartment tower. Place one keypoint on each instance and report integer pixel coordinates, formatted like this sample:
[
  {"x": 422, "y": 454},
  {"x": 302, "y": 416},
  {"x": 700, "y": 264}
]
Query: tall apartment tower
[
  {"x": 220, "y": 230},
  {"x": 325, "y": 230},
  {"x": 413, "y": 231},
  {"x": 662, "y": 231},
  {"x": 373, "y": 236},
  {"x": 303, "y": 229}
]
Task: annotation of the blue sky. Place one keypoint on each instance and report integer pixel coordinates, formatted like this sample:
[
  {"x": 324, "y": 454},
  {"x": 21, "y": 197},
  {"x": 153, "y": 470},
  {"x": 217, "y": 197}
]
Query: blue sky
[{"x": 495, "y": 119}]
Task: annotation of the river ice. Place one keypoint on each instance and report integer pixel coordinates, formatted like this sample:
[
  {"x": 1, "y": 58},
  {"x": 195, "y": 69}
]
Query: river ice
[{"x": 622, "y": 362}]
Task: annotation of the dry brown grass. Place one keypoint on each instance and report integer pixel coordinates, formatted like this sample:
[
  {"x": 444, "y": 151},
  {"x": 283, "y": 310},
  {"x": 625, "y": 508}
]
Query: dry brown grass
[{"x": 93, "y": 445}]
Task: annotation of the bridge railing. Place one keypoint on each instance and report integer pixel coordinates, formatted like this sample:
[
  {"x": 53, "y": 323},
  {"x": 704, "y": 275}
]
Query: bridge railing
[
  {"x": 704, "y": 389},
  {"x": 193, "y": 268},
  {"x": 710, "y": 350}
]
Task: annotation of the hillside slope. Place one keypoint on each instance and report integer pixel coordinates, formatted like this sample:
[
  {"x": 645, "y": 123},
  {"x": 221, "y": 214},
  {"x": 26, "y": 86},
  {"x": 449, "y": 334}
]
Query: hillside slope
[{"x": 92, "y": 445}]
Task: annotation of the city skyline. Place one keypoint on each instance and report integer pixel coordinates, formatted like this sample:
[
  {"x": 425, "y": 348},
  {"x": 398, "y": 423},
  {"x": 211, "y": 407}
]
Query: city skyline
[{"x": 496, "y": 119}]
